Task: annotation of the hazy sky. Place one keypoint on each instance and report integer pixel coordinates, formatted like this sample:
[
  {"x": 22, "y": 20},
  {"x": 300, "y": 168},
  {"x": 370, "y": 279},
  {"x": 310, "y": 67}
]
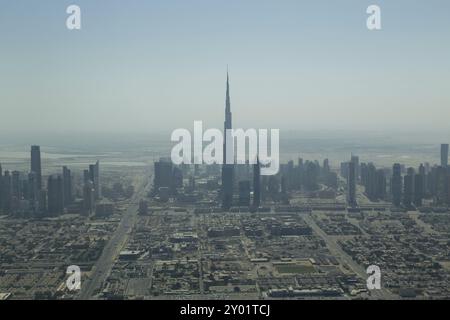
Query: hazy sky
[{"x": 151, "y": 65}]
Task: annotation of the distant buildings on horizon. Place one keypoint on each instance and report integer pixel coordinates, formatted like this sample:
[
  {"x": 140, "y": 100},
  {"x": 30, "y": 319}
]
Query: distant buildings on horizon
[{"x": 25, "y": 196}]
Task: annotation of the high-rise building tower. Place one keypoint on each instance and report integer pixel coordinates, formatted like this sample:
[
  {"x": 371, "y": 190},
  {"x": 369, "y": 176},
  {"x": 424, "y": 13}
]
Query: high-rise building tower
[
  {"x": 67, "y": 181},
  {"x": 6, "y": 192},
  {"x": 355, "y": 160},
  {"x": 163, "y": 176},
  {"x": 408, "y": 188},
  {"x": 256, "y": 184},
  {"x": 55, "y": 195},
  {"x": 16, "y": 188},
  {"x": 423, "y": 179},
  {"x": 444, "y": 155},
  {"x": 370, "y": 180},
  {"x": 16, "y": 191},
  {"x": 396, "y": 184},
  {"x": 351, "y": 184},
  {"x": 227, "y": 168},
  {"x": 441, "y": 186},
  {"x": 381, "y": 184},
  {"x": 33, "y": 192},
  {"x": 94, "y": 173},
  {"x": 418, "y": 189},
  {"x": 88, "y": 198},
  {"x": 36, "y": 165},
  {"x": 86, "y": 176}
]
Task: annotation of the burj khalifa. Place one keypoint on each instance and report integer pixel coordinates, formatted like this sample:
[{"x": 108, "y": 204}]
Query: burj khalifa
[{"x": 227, "y": 167}]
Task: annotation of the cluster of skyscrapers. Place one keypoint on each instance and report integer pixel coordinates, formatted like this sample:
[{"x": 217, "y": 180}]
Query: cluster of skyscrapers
[
  {"x": 24, "y": 195},
  {"x": 167, "y": 178},
  {"x": 306, "y": 175},
  {"x": 404, "y": 187},
  {"x": 242, "y": 184}
]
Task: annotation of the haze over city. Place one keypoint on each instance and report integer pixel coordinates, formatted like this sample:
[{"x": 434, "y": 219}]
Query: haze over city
[{"x": 147, "y": 66}]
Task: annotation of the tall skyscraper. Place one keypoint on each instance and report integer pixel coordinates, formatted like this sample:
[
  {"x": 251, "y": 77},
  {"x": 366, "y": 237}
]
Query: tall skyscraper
[
  {"x": 88, "y": 197},
  {"x": 326, "y": 165},
  {"x": 418, "y": 189},
  {"x": 67, "y": 181},
  {"x": 441, "y": 186},
  {"x": 33, "y": 193},
  {"x": 381, "y": 184},
  {"x": 16, "y": 189},
  {"x": 408, "y": 188},
  {"x": 6, "y": 192},
  {"x": 15, "y": 201},
  {"x": 444, "y": 155},
  {"x": 370, "y": 180},
  {"x": 55, "y": 195},
  {"x": 364, "y": 174},
  {"x": 256, "y": 184},
  {"x": 312, "y": 171},
  {"x": 163, "y": 174},
  {"x": 36, "y": 165},
  {"x": 177, "y": 179},
  {"x": 374, "y": 181},
  {"x": 98, "y": 190},
  {"x": 94, "y": 173},
  {"x": 355, "y": 160},
  {"x": 396, "y": 184},
  {"x": 423, "y": 179},
  {"x": 227, "y": 169},
  {"x": 86, "y": 176},
  {"x": 351, "y": 184}
]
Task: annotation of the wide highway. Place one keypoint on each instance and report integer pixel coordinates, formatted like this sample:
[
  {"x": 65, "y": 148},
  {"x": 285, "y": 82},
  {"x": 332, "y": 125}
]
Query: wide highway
[{"x": 104, "y": 264}]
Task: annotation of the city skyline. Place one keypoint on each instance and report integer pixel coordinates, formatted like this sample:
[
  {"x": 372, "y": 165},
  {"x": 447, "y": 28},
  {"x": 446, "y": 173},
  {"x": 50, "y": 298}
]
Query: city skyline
[
  {"x": 316, "y": 168},
  {"x": 306, "y": 193}
]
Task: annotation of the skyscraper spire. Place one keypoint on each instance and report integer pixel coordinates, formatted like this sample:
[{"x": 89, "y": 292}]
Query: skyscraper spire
[
  {"x": 228, "y": 120},
  {"x": 228, "y": 105},
  {"x": 227, "y": 169}
]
